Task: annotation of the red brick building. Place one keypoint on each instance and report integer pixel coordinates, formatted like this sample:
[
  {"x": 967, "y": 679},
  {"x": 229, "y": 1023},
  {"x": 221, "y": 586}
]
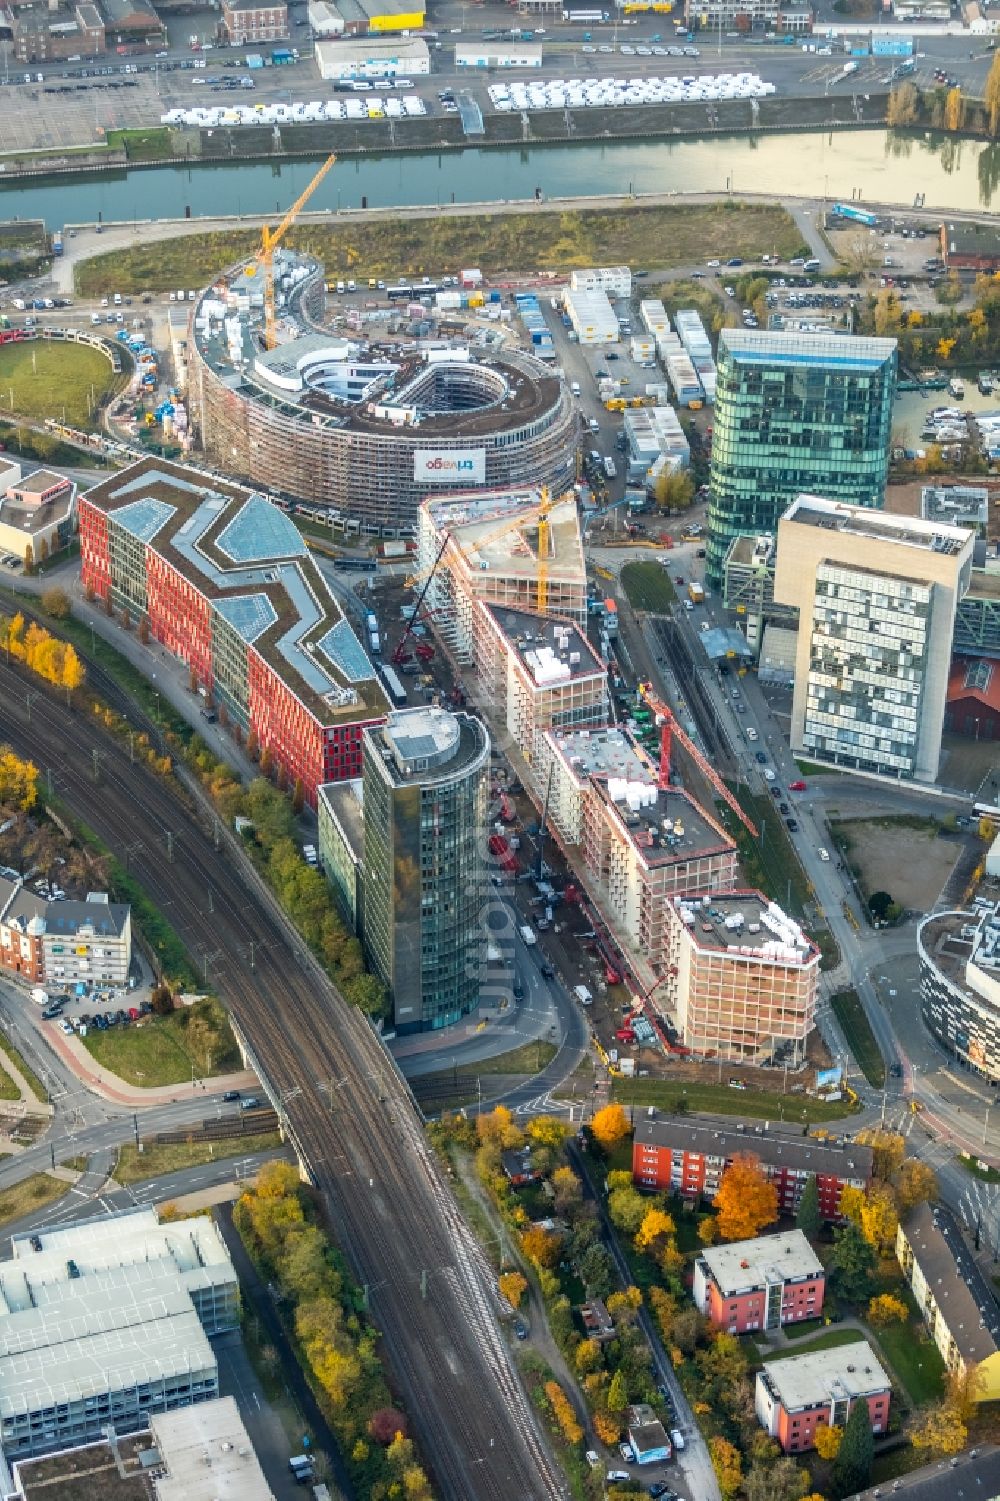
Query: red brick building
[
  {"x": 244, "y": 21},
  {"x": 674, "y": 1155},
  {"x": 795, "y": 1396},
  {"x": 759, "y": 1284},
  {"x": 225, "y": 582},
  {"x": 972, "y": 707}
]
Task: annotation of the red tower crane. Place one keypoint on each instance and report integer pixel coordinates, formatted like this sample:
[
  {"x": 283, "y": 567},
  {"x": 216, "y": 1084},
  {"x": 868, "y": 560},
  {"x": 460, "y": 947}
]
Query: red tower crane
[{"x": 669, "y": 730}]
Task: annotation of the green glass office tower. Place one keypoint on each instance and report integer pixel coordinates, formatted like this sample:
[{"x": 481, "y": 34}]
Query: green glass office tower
[
  {"x": 795, "y": 412},
  {"x": 424, "y": 880}
]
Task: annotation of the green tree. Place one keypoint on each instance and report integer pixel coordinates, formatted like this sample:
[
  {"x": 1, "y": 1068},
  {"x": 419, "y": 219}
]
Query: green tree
[
  {"x": 617, "y": 1393},
  {"x": 852, "y": 1265},
  {"x": 776, "y": 1480},
  {"x": 852, "y": 1467},
  {"x": 809, "y": 1216},
  {"x": 627, "y": 1209},
  {"x": 596, "y": 1271}
]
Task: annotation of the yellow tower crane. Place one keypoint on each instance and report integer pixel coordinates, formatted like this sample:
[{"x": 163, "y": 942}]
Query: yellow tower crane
[{"x": 270, "y": 239}]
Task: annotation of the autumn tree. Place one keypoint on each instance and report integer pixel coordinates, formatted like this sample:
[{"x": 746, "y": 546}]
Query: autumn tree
[
  {"x": 962, "y": 1390},
  {"x": 991, "y": 94},
  {"x": 916, "y": 1183},
  {"x": 887, "y": 1151},
  {"x": 887, "y": 1309},
  {"x": 513, "y": 1287},
  {"x": 673, "y": 490},
  {"x": 18, "y": 780},
  {"x": 745, "y": 1201},
  {"x": 610, "y": 1126},
  {"x": 809, "y": 1216},
  {"x": 852, "y": 1467},
  {"x": 827, "y": 1439},
  {"x": 777, "y": 1480},
  {"x": 73, "y": 671},
  {"x": 954, "y": 110},
  {"x": 708, "y": 1229},
  {"x": 540, "y": 1246},
  {"x": 298, "y": 791},
  {"x": 627, "y": 1209},
  {"x": 902, "y": 105},
  {"x": 562, "y": 1411},
  {"x": 548, "y": 1131},
  {"x": 655, "y": 1230},
  {"x": 940, "y": 1430},
  {"x": 55, "y": 602},
  {"x": 728, "y": 1467},
  {"x": 624, "y": 1305},
  {"x": 385, "y": 1423},
  {"x": 879, "y": 1219},
  {"x": 266, "y": 761}
]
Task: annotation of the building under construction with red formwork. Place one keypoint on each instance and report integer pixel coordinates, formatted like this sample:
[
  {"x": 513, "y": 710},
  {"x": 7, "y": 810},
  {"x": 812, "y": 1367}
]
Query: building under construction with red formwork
[{"x": 224, "y": 581}]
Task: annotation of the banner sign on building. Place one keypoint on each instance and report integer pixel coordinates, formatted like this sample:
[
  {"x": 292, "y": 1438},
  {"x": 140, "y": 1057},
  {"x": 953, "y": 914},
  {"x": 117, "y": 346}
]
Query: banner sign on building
[{"x": 450, "y": 466}]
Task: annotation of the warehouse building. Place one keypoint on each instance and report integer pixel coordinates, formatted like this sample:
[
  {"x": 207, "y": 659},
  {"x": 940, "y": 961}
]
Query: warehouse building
[
  {"x": 484, "y": 547},
  {"x": 795, "y": 1396},
  {"x": 635, "y": 844},
  {"x": 877, "y": 597},
  {"x": 674, "y": 1155},
  {"x": 226, "y": 583},
  {"x": 373, "y": 57},
  {"x": 366, "y": 434},
  {"x": 116, "y": 1314},
  {"x": 498, "y": 54}
]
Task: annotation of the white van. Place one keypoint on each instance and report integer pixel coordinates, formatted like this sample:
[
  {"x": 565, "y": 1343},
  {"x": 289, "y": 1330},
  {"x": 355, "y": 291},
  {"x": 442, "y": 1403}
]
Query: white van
[
  {"x": 575, "y": 388},
  {"x": 118, "y": 299},
  {"x": 583, "y": 995}
]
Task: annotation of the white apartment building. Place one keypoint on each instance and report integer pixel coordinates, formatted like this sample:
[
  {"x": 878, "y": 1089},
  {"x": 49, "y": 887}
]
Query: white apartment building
[
  {"x": 741, "y": 977},
  {"x": 490, "y": 553},
  {"x": 537, "y": 673},
  {"x": 634, "y": 844},
  {"x": 616, "y": 281},
  {"x": 877, "y": 597}
]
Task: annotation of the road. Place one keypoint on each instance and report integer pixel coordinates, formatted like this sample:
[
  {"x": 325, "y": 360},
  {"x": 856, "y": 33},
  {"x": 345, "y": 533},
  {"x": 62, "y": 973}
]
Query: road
[{"x": 350, "y": 1113}]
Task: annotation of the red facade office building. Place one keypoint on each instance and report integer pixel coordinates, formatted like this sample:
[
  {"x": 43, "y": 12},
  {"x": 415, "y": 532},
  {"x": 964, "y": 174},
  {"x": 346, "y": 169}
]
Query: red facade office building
[
  {"x": 224, "y": 581},
  {"x": 672, "y": 1155}
]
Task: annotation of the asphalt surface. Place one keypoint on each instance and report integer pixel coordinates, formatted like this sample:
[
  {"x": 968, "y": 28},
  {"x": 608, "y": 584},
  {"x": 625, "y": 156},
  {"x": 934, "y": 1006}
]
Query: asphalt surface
[{"x": 345, "y": 1107}]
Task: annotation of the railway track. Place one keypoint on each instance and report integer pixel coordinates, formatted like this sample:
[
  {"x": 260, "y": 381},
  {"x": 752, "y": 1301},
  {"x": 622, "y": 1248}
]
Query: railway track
[{"x": 430, "y": 1290}]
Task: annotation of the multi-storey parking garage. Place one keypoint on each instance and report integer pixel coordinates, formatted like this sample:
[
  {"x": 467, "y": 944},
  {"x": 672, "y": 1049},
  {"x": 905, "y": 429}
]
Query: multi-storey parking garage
[{"x": 368, "y": 429}]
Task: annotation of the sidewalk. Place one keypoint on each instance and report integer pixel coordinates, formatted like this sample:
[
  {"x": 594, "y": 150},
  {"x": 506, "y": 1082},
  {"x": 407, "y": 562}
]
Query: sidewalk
[
  {"x": 33, "y": 1105},
  {"x": 101, "y": 1081}
]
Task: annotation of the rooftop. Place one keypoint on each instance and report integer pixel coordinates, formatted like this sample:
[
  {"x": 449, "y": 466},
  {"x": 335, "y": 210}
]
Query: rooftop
[
  {"x": 498, "y": 532},
  {"x": 426, "y": 745},
  {"x": 973, "y": 1473},
  {"x": 876, "y": 526},
  {"x": 248, "y": 559},
  {"x": 20, "y": 907},
  {"x": 88, "y": 1473},
  {"x": 774, "y": 1145},
  {"x": 208, "y": 1455},
  {"x": 972, "y": 239},
  {"x": 35, "y": 517},
  {"x": 964, "y": 1299},
  {"x": 553, "y": 651},
  {"x": 346, "y": 801},
  {"x": 745, "y": 923},
  {"x": 746, "y": 1264},
  {"x": 812, "y": 1380},
  {"x": 817, "y": 351},
  {"x": 954, "y": 940}
]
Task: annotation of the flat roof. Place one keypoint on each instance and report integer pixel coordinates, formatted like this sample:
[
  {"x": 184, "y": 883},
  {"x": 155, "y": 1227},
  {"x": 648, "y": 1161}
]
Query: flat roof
[
  {"x": 248, "y": 559},
  {"x": 89, "y": 1472},
  {"x": 773, "y": 1144},
  {"x": 824, "y": 351},
  {"x": 477, "y": 524},
  {"x": 553, "y": 651},
  {"x": 363, "y": 48},
  {"x": 346, "y": 802},
  {"x": 964, "y": 1299},
  {"x": 814, "y": 1379},
  {"x": 877, "y": 526},
  {"x": 953, "y": 940},
  {"x": 746, "y": 1264},
  {"x": 427, "y": 745},
  {"x": 208, "y": 1455},
  {"x": 745, "y": 922}
]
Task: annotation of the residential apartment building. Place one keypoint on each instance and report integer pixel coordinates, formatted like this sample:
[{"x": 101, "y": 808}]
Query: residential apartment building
[
  {"x": 763, "y": 1283},
  {"x": 795, "y": 412},
  {"x": 247, "y": 21},
  {"x": 484, "y": 546},
  {"x": 425, "y": 777},
  {"x": 64, "y": 943},
  {"x": 671, "y": 1155},
  {"x": 117, "y": 1313},
  {"x": 225, "y": 582},
  {"x": 537, "y": 673},
  {"x": 959, "y": 955},
  {"x": 877, "y": 597},
  {"x": 634, "y": 844},
  {"x": 795, "y": 1396},
  {"x": 954, "y": 1298},
  {"x": 973, "y": 1472},
  {"x": 50, "y": 32},
  {"x": 741, "y": 977}
]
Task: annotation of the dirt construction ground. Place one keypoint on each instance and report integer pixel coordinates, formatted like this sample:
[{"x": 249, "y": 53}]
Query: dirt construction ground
[{"x": 912, "y": 864}]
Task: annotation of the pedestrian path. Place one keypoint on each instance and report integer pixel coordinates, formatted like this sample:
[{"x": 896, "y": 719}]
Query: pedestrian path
[{"x": 101, "y": 1081}]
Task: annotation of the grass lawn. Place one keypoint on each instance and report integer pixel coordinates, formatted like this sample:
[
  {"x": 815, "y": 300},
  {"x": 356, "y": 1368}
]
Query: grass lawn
[
  {"x": 8, "y": 1089},
  {"x": 37, "y": 1087},
  {"x": 648, "y": 586},
  {"x": 151, "y": 144},
  {"x": 157, "y": 1158},
  {"x": 718, "y": 1099},
  {"x": 49, "y": 378},
  {"x": 987, "y": 1174},
  {"x": 850, "y": 1013},
  {"x": 769, "y": 862},
  {"x": 529, "y": 1058},
  {"x": 559, "y": 239},
  {"x": 915, "y": 1359},
  {"x": 806, "y": 1327},
  {"x": 194, "y": 1041},
  {"x": 828, "y": 1341},
  {"x": 25, "y": 1197}
]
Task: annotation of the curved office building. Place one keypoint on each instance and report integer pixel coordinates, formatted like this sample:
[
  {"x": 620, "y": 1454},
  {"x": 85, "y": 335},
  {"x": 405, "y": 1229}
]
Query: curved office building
[
  {"x": 960, "y": 984},
  {"x": 366, "y": 428}
]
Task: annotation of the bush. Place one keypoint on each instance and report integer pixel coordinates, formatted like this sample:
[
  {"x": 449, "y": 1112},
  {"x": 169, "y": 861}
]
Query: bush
[{"x": 55, "y": 602}]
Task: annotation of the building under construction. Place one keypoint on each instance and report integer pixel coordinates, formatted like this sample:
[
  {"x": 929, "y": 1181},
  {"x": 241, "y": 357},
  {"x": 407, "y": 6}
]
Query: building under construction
[
  {"x": 367, "y": 428},
  {"x": 518, "y": 548}
]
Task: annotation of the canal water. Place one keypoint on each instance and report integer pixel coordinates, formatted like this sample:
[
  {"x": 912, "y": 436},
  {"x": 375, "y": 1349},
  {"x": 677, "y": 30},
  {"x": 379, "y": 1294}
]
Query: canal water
[
  {"x": 879, "y": 166},
  {"x": 912, "y": 407}
]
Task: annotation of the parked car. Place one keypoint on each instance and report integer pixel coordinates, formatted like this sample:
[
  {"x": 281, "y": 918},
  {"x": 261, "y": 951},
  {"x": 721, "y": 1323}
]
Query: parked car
[{"x": 231, "y": 1096}]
